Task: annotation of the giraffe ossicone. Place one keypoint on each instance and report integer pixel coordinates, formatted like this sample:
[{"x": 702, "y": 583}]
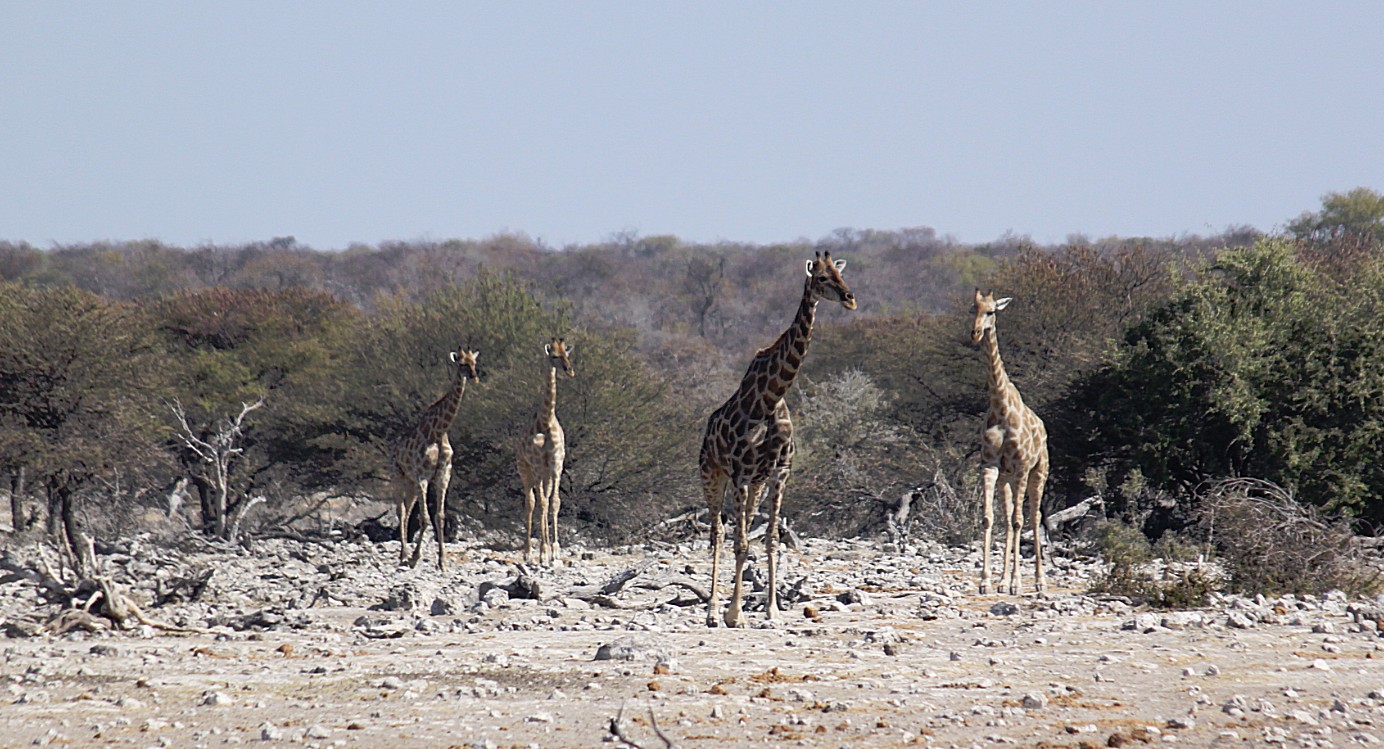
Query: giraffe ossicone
[
  {"x": 748, "y": 446},
  {"x": 1013, "y": 456},
  {"x": 423, "y": 460},
  {"x": 540, "y": 455}
]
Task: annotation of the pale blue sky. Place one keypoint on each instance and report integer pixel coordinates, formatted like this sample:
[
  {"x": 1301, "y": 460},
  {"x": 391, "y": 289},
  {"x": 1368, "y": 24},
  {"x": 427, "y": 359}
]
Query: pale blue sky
[{"x": 340, "y": 122}]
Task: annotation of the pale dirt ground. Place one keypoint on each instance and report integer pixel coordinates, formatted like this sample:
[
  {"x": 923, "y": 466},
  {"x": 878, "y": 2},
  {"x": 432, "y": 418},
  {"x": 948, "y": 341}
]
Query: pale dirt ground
[{"x": 957, "y": 680}]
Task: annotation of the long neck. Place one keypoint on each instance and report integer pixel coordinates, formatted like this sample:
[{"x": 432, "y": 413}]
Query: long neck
[
  {"x": 773, "y": 370},
  {"x": 444, "y": 411},
  {"x": 999, "y": 380},
  {"x": 549, "y": 411}
]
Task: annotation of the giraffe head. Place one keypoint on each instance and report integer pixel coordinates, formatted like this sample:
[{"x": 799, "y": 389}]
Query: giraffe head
[
  {"x": 825, "y": 282},
  {"x": 985, "y": 309},
  {"x": 466, "y": 363},
  {"x": 558, "y": 351}
]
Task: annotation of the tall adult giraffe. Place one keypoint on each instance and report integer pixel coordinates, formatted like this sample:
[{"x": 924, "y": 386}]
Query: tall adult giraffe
[
  {"x": 749, "y": 439},
  {"x": 539, "y": 457},
  {"x": 424, "y": 458},
  {"x": 1013, "y": 452}
]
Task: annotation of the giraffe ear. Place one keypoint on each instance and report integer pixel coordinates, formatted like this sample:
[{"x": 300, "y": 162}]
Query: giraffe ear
[
  {"x": 840, "y": 265},
  {"x": 570, "y": 348},
  {"x": 1002, "y": 303},
  {"x": 548, "y": 349},
  {"x": 810, "y": 263},
  {"x": 453, "y": 357}
]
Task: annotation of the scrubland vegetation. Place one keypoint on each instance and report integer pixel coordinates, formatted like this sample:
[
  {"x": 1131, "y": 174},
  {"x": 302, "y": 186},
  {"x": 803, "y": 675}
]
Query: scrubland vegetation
[{"x": 273, "y": 371}]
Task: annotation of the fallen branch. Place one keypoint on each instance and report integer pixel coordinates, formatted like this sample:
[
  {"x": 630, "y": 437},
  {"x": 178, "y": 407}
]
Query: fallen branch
[{"x": 617, "y": 730}]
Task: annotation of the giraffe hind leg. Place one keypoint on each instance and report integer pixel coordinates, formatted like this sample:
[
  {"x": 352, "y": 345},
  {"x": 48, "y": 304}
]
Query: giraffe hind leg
[
  {"x": 1015, "y": 495},
  {"x": 405, "y": 507},
  {"x": 1037, "y": 480},
  {"x": 714, "y": 487},
  {"x": 1011, "y": 539},
  {"x": 775, "y": 497},
  {"x": 440, "y": 514}
]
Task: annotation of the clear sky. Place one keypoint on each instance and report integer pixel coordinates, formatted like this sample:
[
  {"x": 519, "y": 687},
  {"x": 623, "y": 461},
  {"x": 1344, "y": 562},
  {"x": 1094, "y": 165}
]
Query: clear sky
[{"x": 339, "y": 122}]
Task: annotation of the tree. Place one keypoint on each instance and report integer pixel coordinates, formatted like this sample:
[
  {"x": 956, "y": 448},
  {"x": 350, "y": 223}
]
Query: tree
[
  {"x": 1357, "y": 215},
  {"x": 239, "y": 346},
  {"x": 80, "y": 378},
  {"x": 1260, "y": 368}
]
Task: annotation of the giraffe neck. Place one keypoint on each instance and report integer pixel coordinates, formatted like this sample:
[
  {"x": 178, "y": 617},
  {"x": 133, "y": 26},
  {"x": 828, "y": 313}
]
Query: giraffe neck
[
  {"x": 549, "y": 412},
  {"x": 999, "y": 379},
  {"x": 773, "y": 370},
  {"x": 442, "y": 413}
]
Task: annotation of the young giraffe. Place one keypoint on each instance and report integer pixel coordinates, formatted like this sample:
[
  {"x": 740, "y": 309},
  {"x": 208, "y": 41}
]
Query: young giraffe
[
  {"x": 1013, "y": 452},
  {"x": 539, "y": 458},
  {"x": 749, "y": 439},
  {"x": 424, "y": 458}
]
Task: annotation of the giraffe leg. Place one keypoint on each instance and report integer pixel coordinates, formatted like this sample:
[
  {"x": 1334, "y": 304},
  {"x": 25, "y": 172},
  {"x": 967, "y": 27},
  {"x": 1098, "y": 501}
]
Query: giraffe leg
[
  {"x": 405, "y": 508},
  {"x": 440, "y": 482},
  {"x": 771, "y": 541},
  {"x": 715, "y": 490},
  {"x": 744, "y": 505},
  {"x": 1037, "y": 479},
  {"x": 422, "y": 503},
  {"x": 528, "y": 525},
  {"x": 1014, "y": 506},
  {"x": 544, "y": 541},
  {"x": 555, "y": 504},
  {"x": 988, "y": 477}
]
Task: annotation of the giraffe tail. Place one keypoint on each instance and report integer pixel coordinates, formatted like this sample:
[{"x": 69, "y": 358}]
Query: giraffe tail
[{"x": 539, "y": 439}]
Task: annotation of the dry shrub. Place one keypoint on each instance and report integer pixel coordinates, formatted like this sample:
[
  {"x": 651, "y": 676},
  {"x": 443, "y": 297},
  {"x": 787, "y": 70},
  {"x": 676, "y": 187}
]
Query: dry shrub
[
  {"x": 1270, "y": 543},
  {"x": 949, "y": 514},
  {"x": 1156, "y": 575}
]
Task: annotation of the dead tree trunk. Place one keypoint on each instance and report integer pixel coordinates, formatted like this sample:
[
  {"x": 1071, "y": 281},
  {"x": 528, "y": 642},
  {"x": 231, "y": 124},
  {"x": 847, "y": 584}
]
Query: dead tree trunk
[
  {"x": 218, "y": 452},
  {"x": 19, "y": 521}
]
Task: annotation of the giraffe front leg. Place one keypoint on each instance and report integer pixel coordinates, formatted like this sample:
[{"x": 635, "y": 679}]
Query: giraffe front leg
[
  {"x": 422, "y": 503},
  {"x": 528, "y": 524},
  {"x": 544, "y": 542},
  {"x": 554, "y": 505},
  {"x": 743, "y": 504},
  {"x": 988, "y": 478}
]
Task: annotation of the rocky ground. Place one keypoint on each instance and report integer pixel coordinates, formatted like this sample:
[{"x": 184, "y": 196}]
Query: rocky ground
[{"x": 314, "y": 644}]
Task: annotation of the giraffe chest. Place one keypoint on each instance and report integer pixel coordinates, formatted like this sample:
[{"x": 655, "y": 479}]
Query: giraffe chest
[{"x": 1012, "y": 441}]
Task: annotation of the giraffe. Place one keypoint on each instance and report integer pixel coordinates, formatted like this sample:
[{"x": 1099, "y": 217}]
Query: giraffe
[
  {"x": 749, "y": 439},
  {"x": 1013, "y": 453},
  {"x": 424, "y": 458},
  {"x": 540, "y": 455}
]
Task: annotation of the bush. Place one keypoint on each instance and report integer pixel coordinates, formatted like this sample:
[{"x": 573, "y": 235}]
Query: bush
[
  {"x": 1260, "y": 367},
  {"x": 1270, "y": 543},
  {"x": 1142, "y": 572}
]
